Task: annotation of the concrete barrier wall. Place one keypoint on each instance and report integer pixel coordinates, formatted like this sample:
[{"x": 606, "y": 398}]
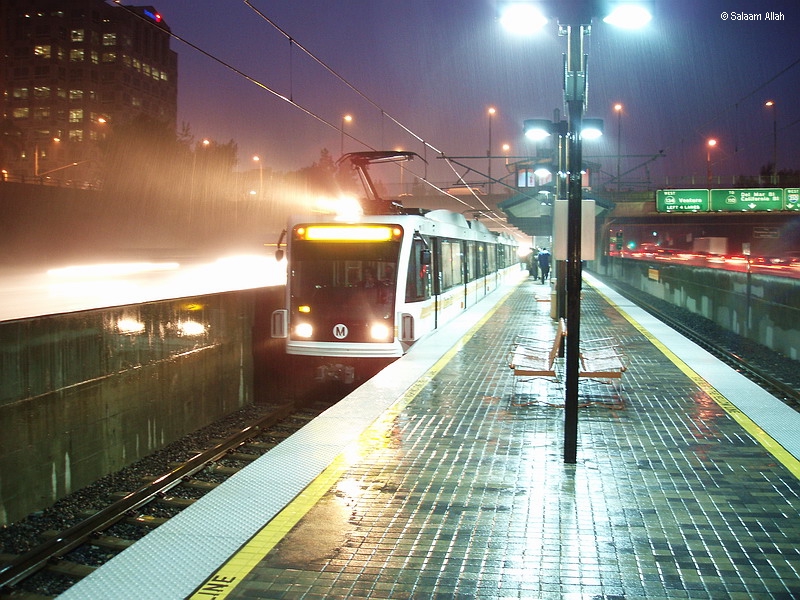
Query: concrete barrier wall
[
  {"x": 763, "y": 308},
  {"x": 87, "y": 393}
]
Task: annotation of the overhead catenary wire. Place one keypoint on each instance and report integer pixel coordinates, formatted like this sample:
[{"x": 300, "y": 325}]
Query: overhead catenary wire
[{"x": 307, "y": 111}]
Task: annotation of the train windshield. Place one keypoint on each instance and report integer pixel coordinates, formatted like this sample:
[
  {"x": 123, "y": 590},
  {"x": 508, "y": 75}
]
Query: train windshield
[{"x": 344, "y": 282}]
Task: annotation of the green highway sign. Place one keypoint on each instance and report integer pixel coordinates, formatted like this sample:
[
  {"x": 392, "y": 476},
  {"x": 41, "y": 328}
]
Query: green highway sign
[
  {"x": 791, "y": 198},
  {"x": 757, "y": 199},
  {"x": 682, "y": 200}
]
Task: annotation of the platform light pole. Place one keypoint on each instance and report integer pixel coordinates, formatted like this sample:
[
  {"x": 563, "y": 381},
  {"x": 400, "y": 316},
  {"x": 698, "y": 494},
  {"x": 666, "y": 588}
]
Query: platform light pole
[{"x": 576, "y": 29}]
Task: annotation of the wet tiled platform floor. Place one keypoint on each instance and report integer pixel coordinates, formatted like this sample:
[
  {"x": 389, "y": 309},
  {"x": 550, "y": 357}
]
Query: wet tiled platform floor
[{"x": 463, "y": 492}]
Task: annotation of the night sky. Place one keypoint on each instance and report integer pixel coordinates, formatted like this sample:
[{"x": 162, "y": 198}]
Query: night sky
[{"x": 436, "y": 68}]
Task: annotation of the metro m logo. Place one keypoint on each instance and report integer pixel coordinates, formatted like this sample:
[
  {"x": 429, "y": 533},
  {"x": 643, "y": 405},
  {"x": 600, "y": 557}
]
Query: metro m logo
[{"x": 340, "y": 331}]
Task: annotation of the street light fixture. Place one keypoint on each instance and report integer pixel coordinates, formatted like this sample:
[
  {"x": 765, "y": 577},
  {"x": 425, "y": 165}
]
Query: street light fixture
[
  {"x": 521, "y": 18},
  {"x": 627, "y": 15},
  {"x": 575, "y": 28}
]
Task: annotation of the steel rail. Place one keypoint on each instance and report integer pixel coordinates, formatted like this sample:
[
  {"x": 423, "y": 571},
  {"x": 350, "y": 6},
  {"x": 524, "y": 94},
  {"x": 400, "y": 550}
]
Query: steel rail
[{"x": 37, "y": 558}]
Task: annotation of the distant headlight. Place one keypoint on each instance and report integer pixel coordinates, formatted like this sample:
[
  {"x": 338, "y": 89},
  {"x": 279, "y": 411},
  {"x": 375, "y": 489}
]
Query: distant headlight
[
  {"x": 304, "y": 330},
  {"x": 379, "y": 331}
]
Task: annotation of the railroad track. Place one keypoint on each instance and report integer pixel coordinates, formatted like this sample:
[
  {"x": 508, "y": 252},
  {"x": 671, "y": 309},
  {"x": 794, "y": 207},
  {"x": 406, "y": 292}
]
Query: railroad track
[
  {"x": 67, "y": 556},
  {"x": 774, "y": 384}
]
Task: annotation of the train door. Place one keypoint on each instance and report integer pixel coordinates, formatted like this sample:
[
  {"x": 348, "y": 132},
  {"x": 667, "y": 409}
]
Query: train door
[
  {"x": 418, "y": 281},
  {"x": 468, "y": 253},
  {"x": 436, "y": 247}
]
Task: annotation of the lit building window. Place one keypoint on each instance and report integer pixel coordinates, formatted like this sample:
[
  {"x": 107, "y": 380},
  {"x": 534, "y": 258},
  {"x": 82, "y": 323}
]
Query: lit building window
[
  {"x": 75, "y": 135},
  {"x": 77, "y": 55},
  {"x": 77, "y": 35},
  {"x": 109, "y": 57},
  {"x": 76, "y": 94},
  {"x": 42, "y": 91},
  {"x": 20, "y": 93},
  {"x": 42, "y": 50},
  {"x": 109, "y": 39},
  {"x": 76, "y": 115},
  {"x": 21, "y": 113}
]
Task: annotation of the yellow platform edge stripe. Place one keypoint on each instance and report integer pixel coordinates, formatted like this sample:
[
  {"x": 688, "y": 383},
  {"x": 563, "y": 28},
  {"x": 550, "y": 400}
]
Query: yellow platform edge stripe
[
  {"x": 780, "y": 453},
  {"x": 232, "y": 572}
]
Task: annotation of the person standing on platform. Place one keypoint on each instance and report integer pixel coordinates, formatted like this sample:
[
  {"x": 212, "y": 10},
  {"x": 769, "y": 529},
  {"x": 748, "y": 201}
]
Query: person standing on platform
[
  {"x": 544, "y": 263},
  {"x": 533, "y": 265}
]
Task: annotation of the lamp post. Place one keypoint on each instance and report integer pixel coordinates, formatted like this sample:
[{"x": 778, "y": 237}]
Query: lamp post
[
  {"x": 771, "y": 104},
  {"x": 257, "y": 159},
  {"x": 491, "y": 113},
  {"x": 576, "y": 29},
  {"x": 37, "y": 154},
  {"x": 709, "y": 145},
  {"x": 345, "y": 119},
  {"x": 204, "y": 144},
  {"x": 618, "y": 109}
]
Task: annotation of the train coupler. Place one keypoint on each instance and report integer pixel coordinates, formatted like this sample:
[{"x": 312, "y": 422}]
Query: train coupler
[{"x": 336, "y": 372}]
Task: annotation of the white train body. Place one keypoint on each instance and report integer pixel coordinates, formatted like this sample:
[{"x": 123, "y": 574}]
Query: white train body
[{"x": 370, "y": 289}]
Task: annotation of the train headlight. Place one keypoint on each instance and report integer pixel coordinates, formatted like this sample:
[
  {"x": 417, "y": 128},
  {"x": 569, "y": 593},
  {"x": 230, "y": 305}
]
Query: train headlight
[
  {"x": 379, "y": 331},
  {"x": 304, "y": 330}
]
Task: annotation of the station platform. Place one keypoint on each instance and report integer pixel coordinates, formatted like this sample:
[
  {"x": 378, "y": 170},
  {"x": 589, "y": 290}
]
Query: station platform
[{"x": 434, "y": 481}]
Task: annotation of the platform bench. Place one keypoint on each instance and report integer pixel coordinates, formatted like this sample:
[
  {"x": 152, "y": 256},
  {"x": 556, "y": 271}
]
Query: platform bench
[{"x": 531, "y": 358}]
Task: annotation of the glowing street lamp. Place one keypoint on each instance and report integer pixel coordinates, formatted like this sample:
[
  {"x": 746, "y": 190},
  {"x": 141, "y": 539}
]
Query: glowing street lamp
[{"x": 522, "y": 18}]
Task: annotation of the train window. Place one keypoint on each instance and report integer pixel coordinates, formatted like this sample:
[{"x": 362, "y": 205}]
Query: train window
[
  {"x": 451, "y": 267},
  {"x": 480, "y": 260},
  {"x": 491, "y": 255},
  {"x": 469, "y": 264},
  {"x": 343, "y": 276},
  {"x": 418, "y": 282}
]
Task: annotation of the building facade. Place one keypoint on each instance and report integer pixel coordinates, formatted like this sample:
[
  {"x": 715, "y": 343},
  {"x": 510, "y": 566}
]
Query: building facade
[{"x": 70, "y": 71}]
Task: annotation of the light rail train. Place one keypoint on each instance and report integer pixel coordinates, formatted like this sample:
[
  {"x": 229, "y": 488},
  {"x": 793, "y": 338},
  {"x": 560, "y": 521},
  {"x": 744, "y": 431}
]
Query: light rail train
[{"x": 370, "y": 288}]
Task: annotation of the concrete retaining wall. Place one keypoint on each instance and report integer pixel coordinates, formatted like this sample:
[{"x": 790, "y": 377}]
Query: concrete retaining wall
[
  {"x": 87, "y": 393},
  {"x": 760, "y": 307}
]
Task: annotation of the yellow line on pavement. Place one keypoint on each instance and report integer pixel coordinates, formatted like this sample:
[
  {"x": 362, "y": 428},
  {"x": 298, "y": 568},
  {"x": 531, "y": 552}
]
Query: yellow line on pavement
[
  {"x": 762, "y": 437},
  {"x": 233, "y": 572}
]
